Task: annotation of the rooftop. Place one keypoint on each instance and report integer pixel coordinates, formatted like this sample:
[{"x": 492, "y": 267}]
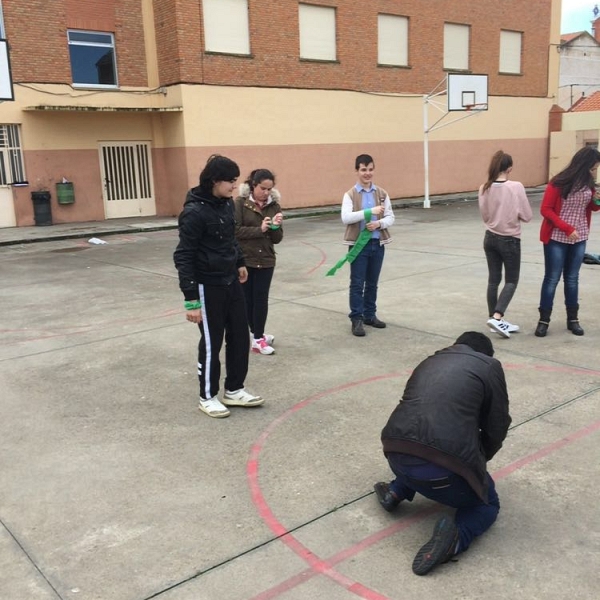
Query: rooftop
[{"x": 587, "y": 103}]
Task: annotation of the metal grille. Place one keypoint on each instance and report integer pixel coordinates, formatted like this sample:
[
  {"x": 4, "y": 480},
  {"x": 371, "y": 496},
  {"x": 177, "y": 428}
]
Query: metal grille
[
  {"x": 12, "y": 169},
  {"x": 127, "y": 171}
]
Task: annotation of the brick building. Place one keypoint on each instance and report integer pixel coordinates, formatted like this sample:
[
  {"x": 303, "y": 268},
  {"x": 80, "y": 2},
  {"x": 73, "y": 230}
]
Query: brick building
[{"x": 126, "y": 99}]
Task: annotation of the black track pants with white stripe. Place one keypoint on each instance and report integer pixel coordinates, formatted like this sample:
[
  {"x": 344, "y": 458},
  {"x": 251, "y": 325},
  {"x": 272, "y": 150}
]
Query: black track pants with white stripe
[{"x": 223, "y": 315}]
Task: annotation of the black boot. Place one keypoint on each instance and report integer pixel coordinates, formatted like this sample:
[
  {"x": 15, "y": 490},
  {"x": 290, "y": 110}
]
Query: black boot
[
  {"x": 357, "y": 328},
  {"x": 572, "y": 320},
  {"x": 542, "y": 327}
]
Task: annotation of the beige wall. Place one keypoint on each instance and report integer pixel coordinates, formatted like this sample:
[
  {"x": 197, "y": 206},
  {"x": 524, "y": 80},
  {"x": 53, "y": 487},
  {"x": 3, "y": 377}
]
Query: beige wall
[
  {"x": 563, "y": 144},
  {"x": 218, "y": 116},
  {"x": 309, "y": 138},
  {"x": 581, "y": 120},
  {"x": 578, "y": 129}
]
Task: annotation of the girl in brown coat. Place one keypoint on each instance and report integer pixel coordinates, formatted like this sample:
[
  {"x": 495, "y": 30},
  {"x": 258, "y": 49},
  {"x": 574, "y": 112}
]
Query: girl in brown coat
[{"x": 258, "y": 220}]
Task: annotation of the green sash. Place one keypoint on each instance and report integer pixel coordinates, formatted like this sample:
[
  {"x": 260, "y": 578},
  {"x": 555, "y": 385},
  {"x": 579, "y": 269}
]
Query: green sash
[{"x": 361, "y": 242}]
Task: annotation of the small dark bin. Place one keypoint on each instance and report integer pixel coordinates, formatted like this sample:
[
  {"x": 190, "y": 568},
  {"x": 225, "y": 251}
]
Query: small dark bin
[{"x": 42, "y": 212}]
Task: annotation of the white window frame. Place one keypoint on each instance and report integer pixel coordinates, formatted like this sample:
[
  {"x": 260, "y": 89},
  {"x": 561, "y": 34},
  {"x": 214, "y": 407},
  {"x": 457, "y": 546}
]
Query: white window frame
[
  {"x": 226, "y": 26},
  {"x": 318, "y": 32},
  {"x": 457, "y": 42},
  {"x": 511, "y": 47},
  {"x": 110, "y": 86},
  {"x": 392, "y": 40},
  {"x": 12, "y": 166}
]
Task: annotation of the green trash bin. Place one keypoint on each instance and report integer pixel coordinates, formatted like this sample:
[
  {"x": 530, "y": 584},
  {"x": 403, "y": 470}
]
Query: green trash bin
[{"x": 65, "y": 193}]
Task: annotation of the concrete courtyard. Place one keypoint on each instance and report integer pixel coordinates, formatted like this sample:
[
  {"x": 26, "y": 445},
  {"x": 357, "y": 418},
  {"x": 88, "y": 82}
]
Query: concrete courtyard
[{"x": 114, "y": 486}]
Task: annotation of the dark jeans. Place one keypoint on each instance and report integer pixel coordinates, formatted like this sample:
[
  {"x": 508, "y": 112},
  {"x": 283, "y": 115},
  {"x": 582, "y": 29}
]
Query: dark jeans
[
  {"x": 256, "y": 290},
  {"x": 364, "y": 278},
  {"x": 473, "y": 516},
  {"x": 501, "y": 251},
  {"x": 562, "y": 259}
]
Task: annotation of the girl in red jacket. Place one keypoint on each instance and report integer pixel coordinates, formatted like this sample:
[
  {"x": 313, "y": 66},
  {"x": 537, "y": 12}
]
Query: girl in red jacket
[{"x": 567, "y": 209}]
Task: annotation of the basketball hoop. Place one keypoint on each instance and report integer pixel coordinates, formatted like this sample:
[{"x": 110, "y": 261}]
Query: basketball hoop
[{"x": 464, "y": 93}]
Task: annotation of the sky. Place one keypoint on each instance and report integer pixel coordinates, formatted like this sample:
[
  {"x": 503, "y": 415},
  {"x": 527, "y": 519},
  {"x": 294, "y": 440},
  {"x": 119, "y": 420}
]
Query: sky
[{"x": 577, "y": 15}]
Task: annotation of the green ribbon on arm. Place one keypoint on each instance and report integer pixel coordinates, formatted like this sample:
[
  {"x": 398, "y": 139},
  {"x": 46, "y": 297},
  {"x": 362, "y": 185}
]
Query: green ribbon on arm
[{"x": 361, "y": 242}]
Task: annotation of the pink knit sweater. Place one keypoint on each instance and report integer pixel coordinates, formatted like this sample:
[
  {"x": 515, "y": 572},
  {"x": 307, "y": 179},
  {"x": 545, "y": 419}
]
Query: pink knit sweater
[{"x": 503, "y": 206}]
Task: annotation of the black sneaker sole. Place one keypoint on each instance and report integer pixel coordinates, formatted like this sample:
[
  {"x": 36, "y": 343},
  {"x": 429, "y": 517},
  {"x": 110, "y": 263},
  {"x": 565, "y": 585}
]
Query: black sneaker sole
[{"x": 439, "y": 549}]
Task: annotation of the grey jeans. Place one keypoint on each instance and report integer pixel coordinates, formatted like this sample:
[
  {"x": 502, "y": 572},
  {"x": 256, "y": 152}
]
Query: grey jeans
[{"x": 501, "y": 251}]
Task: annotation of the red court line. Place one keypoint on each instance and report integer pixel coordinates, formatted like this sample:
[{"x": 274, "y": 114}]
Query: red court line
[
  {"x": 321, "y": 262},
  {"x": 318, "y": 566}
]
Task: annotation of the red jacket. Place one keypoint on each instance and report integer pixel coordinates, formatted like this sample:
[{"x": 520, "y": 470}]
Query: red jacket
[{"x": 550, "y": 209}]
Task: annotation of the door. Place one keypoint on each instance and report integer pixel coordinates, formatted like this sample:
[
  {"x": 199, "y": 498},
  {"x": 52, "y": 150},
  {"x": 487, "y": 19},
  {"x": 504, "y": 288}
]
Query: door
[
  {"x": 7, "y": 207},
  {"x": 11, "y": 172},
  {"x": 126, "y": 170}
]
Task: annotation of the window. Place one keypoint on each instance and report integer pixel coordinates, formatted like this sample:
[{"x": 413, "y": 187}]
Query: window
[
  {"x": 12, "y": 169},
  {"x": 317, "y": 32},
  {"x": 92, "y": 59},
  {"x": 226, "y": 27},
  {"x": 392, "y": 40},
  {"x": 456, "y": 47},
  {"x": 510, "y": 51}
]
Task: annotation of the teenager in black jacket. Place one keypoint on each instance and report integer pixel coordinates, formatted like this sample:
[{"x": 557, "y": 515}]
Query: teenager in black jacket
[
  {"x": 452, "y": 419},
  {"x": 211, "y": 273}
]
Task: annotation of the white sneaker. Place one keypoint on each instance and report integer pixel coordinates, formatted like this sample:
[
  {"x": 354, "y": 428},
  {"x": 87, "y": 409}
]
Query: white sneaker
[
  {"x": 499, "y": 326},
  {"x": 262, "y": 347},
  {"x": 511, "y": 328},
  {"x": 241, "y": 398},
  {"x": 213, "y": 408}
]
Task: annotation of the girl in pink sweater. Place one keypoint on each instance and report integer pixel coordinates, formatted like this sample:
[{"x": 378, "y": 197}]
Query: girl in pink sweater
[{"x": 503, "y": 205}]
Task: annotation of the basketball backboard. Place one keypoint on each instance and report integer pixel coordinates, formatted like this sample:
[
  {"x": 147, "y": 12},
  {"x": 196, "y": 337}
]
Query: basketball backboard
[
  {"x": 467, "y": 92},
  {"x": 6, "y": 86}
]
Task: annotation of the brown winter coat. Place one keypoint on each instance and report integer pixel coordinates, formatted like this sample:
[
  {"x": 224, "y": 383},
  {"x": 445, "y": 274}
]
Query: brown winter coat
[{"x": 258, "y": 247}]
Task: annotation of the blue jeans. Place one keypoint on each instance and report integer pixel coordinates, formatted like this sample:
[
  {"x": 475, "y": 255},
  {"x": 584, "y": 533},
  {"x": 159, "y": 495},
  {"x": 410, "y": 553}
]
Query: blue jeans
[
  {"x": 565, "y": 259},
  {"x": 501, "y": 251},
  {"x": 473, "y": 516},
  {"x": 364, "y": 278}
]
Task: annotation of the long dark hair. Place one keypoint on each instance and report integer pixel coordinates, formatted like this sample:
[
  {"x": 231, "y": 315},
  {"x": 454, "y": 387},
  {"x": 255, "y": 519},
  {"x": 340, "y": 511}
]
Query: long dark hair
[
  {"x": 500, "y": 162},
  {"x": 217, "y": 168},
  {"x": 577, "y": 174},
  {"x": 259, "y": 175}
]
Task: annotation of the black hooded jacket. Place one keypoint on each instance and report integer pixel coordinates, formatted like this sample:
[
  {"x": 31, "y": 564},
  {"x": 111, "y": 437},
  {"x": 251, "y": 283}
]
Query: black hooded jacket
[
  {"x": 454, "y": 413},
  {"x": 207, "y": 252}
]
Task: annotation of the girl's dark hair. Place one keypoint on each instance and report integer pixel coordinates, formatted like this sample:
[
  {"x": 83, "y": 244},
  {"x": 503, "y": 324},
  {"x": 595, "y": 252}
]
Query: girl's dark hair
[
  {"x": 259, "y": 175},
  {"x": 577, "y": 174},
  {"x": 217, "y": 168},
  {"x": 500, "y": 162}
]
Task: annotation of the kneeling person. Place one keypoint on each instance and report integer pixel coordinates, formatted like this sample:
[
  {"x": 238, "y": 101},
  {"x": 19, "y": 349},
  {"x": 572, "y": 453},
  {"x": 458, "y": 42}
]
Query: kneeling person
[{"x": 452, "y": 419}]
